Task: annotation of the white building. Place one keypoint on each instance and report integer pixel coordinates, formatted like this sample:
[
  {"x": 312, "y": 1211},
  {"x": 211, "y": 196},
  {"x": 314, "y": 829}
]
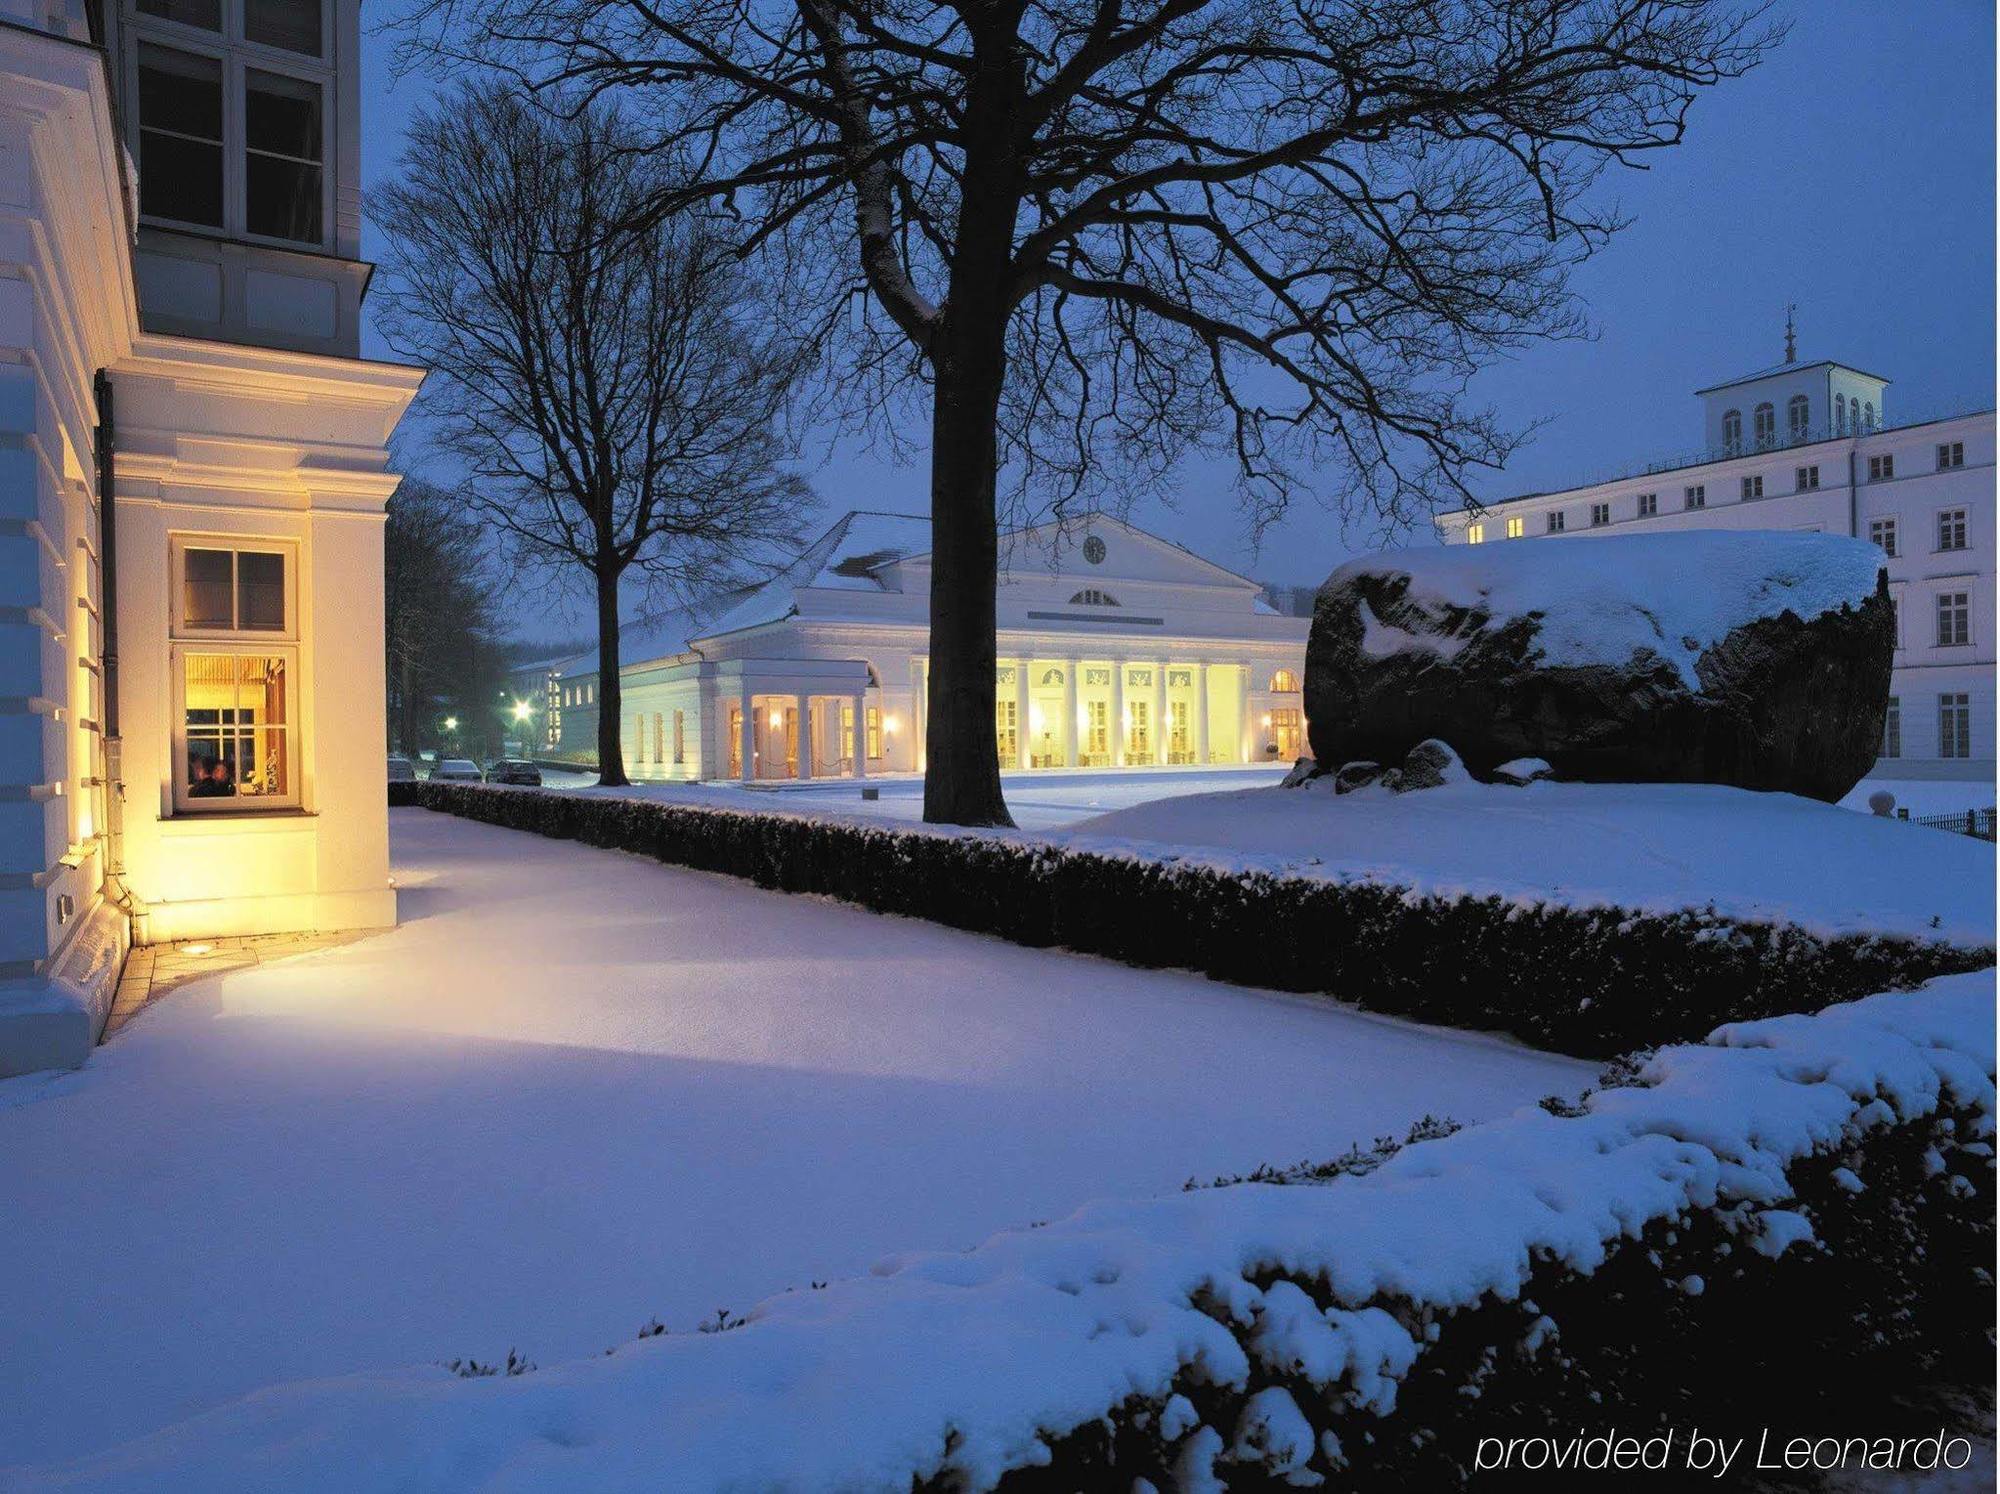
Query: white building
[
  {"x": 1117, "y": 650},
  {"x": 193, "y": 470},
  {"x": 1813, "y": 446}
]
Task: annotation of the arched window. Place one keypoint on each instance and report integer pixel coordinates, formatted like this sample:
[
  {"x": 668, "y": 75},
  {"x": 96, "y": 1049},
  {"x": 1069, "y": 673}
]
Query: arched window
[
  {"x": 1764, "y": 421},
  {"x": 1868, "y": 416},
  {"x": 1732, "y": 430},
  {"x": 1796, "y": 414},
  {"x": 1284, "y": 682},
  {"x": 1052, "y": 677},
  {"x": 1090, "y": 596},
  {"x": 1840, "y": 414}
]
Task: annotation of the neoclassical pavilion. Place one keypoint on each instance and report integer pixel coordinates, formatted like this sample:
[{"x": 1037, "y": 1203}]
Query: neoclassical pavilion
[{"x": 1117, "y": 649}]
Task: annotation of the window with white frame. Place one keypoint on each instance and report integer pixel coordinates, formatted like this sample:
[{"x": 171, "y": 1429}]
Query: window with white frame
[
  {"x": 1955, "y": 725},
  {"x": 1868, "y": 416},
  {"x": 1732, "y": 430},
  {"x": 1840, "y": 414},
  {"x": 1892, "y": 728},
  {"x": 1557, "y": 519},
  {"x": 1600, "y": 514},
  {"x": 1806, "y": 479},
  {"x": 680, "y": 737},
  {"x": 1475, "y": 534},
  {"x": 1951, "y": 529},
  {"x": 1950, "y": 454},
  {"x": 1954, "y": 618},
  {"x": 1882, "y": 468},
  {"x": 1882, "y": 532},
  {"x": 232, "y": 132},
  {"x": 1798, "y": 414},
  {"x": 1695, "y": 497},
  {"x": 1753, "y": 487},
  {"x": 234, "y": 661},
  {"x": 1649, "y": 505},
  {"x": 1516, "y": 527},
  {"x": 1764, "y": 421}
]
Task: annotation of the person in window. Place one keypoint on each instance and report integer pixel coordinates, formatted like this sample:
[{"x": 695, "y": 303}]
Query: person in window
[{"x": 212, "y": 780}]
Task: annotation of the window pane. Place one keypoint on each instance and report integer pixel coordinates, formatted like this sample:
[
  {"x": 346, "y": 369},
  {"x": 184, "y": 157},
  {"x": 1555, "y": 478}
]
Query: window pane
[
  {"x": 206, "y": 14},
  {"x": 205, "y": 593},
  {"x": 238, "y": 738},
  {"x": 260, "y": 591},
  {"x": 291, "y": 24},
  {"x": 281, "y": 199},
  {"x": 281, "y": 115},
  {"x": 281, "y": 130},
  {"x": 180, "y": 136}
]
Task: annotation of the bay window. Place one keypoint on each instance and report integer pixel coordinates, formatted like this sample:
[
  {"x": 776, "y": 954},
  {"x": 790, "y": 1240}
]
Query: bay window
[{"x": 235, "y": 676}]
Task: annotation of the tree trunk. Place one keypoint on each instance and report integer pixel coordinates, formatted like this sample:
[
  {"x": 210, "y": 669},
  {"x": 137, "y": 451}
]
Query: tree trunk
[
  {"x": 962, "y": 764},
  {"x": 610, "y": 698}
]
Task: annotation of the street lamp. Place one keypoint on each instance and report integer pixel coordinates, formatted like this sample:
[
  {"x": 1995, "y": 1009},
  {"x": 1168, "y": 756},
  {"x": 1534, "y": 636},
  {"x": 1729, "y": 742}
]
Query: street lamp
[
  {"x": 522, "y": 710},
  {"x": 451, "y": 723}
]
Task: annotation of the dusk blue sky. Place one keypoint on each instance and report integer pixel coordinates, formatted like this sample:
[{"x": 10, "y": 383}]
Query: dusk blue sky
[{"x": 1852, "y": 174}]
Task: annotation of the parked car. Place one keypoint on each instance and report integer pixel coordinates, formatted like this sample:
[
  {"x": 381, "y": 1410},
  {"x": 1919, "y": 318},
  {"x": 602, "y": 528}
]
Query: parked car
[
  {"x": 456, "y": 770},
  {"x": 401, "y": 769},
  {"x": 514, "y": 770}
]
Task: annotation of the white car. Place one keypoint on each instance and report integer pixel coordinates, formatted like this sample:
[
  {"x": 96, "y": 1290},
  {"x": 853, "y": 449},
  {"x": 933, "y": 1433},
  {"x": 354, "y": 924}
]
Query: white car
[
  {"x": 457, "y": 770},
  {"x": 401, "y": 769}
]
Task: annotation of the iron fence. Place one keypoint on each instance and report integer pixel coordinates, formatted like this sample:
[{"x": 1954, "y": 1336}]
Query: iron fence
[{"x": 1978, "y": 823}]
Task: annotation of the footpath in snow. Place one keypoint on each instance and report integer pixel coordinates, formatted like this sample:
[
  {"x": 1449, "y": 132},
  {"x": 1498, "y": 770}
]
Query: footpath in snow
[
  {"x": 1646, "y": 847},
  {"x": 576, "y": 1090}
]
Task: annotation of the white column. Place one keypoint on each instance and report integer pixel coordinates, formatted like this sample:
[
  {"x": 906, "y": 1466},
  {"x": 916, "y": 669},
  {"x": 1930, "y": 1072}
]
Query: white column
[
  {"x": 747, "y": 730},
  {"x": 857, "y": 744},
  {"x": 1118, "y": 714},
  {"x": 1159, "y": 743},
  {"x": 1252, "y": 752},
  {"x": 1024, "y": 742},
  {"x": 803, "y": 705},
  {"x": 1069, "y": 712},
  {"x": 920, "y": 714},
  {"x": 1200, "y": 709}
]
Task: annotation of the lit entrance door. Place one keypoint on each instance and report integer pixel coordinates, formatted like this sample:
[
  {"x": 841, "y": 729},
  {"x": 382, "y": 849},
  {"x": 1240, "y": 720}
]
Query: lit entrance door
[
  {"x": 1139, "y": 741},
  {"x": 1288, "y": 732}
]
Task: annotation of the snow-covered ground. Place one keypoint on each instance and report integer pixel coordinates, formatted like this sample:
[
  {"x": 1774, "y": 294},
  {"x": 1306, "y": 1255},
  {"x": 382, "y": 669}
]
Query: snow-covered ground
[
  {"x": 1647, "y": 847},
  {"x": 1047, "y": 800},
  {"x": 576, "y": 1089},
  {"x": 1922, "y": 796}
]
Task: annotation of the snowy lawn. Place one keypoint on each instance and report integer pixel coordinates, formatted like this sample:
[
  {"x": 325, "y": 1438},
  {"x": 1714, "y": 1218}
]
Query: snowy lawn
[
  {"x": 576, "y": 1090},
  {"x": 1046, "y": 800},
  {"x": 1647, "y": 847}
]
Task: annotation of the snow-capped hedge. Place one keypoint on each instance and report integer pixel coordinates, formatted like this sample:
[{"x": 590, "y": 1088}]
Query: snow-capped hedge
[
  {"x": 1770, "y": 1230},
  {"x": 1596, "y": 980}
]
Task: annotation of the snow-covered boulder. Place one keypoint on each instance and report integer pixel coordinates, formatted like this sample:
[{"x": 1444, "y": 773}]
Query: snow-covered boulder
[
  {"x": 1521, "y": 771},
  {"x": 1755, "y": 659}
]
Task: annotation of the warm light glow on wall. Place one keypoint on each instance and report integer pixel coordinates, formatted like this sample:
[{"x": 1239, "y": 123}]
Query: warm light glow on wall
[
  {"x": 1267, "y": 718},
  {"x": 889, "y": 725},
  {"x": 776, "y": 718},
  {"x": 1034, "y": 718}
]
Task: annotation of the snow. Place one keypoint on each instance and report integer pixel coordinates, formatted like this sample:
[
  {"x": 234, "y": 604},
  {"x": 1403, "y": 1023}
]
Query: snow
[
  {"x": 575, "y": 1090},
  {"x": 1043, "y": 799},
  {"x": 845, "y": 558},
  {"x": 1675, "y": 595},
  {"x": 955, "y": 1366},
  {"x": 1645, "y": 847}
]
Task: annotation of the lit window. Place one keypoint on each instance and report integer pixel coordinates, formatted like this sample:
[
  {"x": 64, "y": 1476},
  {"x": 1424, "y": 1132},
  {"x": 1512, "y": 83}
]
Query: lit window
[
  {"x": 1649, "y": 505},
  {"x": 1695, "y": 497},
  {"x": 680, "y": 737},
  {"x": 1951, "y": 529},
  {"x": 1732, "y": 430},
  {"x": 1090, "y": 596},
  {"x": 1892, "y": 728},
  {"x": 1753, "y": 487},
  {"x": 1475, "y": 534},
  {"x": 1600, "y": 514},
  {"x": 236, "y": 731},
  {"x": 1954, "y": 619},
  {"x": 1950, "y": 454},
  {"x": 1955, "y": 725},
  {"x": 180, "y": 136},
  {"x": 1883, "y": 533},
  {"x": 874, "y": 733},
  {"x": 1516, "y": 527},
  {"x": 1284, "y": 681},
  {"x": 1797, "y": 416},
  {"x": 1807, "y": 479},
  {"x": 1764, "y": 421},
  {"x": 1557, "y": 519},
  {"x": 1881, "y": 468}
]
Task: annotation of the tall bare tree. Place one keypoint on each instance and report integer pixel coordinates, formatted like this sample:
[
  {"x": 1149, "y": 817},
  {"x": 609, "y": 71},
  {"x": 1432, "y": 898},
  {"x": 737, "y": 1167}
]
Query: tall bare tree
[
  {"x": 1105, "y": 232},
  {"x": 601, "y": 363}
]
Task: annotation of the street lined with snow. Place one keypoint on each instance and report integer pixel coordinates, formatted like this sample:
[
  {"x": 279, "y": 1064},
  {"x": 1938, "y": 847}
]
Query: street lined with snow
[{"x": 576, "y": 1090}]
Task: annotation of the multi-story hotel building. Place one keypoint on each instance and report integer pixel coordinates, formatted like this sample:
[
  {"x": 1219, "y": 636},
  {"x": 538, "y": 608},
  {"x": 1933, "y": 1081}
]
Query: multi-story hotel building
[
  {"x": 193, "y": 472},
  {"x": 1814, "y": 446}
]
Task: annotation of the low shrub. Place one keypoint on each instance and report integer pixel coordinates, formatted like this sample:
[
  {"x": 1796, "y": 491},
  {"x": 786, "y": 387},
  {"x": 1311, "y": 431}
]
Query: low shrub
[{"x": 1592, "y": 981}]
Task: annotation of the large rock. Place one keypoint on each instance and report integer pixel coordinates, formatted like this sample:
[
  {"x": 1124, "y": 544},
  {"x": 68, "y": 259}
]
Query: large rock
[{"x": 1756, "y": 659}]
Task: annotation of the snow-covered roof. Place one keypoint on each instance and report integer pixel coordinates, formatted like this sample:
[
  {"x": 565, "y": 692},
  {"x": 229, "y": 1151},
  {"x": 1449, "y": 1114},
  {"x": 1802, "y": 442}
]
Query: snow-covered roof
[
  {"x": 1788, "y": 368},
  {"x": 846, "y": 558}
]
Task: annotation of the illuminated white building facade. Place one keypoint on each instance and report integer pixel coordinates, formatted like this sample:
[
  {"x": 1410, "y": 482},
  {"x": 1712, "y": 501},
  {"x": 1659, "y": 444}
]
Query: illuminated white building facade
[
  {"x": 191, "y": 512},
  {"x": 1812, "y": 446},
  {"x": 1117, "y": 649}
]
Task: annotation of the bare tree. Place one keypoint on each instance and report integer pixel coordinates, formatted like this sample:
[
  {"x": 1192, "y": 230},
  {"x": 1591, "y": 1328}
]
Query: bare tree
[
  {"x": 1106, "y": 232},
  {"x": 600, "y": 364},
  {"x": 444, "y": 655}
]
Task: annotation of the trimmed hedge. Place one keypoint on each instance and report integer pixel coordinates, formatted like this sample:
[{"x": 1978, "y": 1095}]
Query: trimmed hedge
[
  {"x": 1877, "y": 1328},
  {"x": 1592, "y": 981}
]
